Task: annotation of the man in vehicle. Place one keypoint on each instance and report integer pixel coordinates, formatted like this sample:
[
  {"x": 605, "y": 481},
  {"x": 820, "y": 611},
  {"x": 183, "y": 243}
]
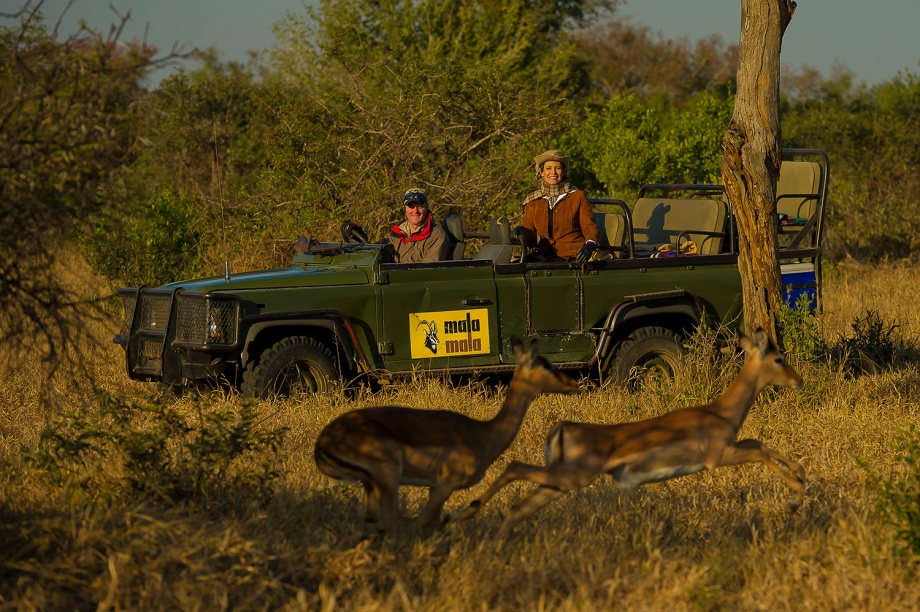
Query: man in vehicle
[{"x": 418, "y": 238}]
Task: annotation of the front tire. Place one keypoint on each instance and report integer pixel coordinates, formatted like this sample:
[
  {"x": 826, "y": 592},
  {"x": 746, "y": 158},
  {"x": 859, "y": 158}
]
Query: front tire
[
  {"x": 297, "y": 364},
  {"x": 647, "y": 354}
]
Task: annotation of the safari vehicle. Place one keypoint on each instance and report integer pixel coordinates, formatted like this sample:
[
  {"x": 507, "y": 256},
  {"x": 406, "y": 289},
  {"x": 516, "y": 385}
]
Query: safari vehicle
[{"x": 346, "y": 311}]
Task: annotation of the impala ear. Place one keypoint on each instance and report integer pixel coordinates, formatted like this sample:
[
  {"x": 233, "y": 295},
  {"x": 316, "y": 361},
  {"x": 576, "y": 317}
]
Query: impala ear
[
  {"x": 746, "y": 343},
  {"x": 761, "y": 340},
  {"x": 534, "y": 349},
  {"x": 517, "y": 346}
]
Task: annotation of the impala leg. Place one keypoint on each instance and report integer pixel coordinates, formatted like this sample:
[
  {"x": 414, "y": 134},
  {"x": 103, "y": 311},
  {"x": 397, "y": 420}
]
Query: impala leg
[
  {"x": 431, "y": 512},
  {"x": 747, "y": 451},
  {"x": 514, "y": 471},
  {"x": 383, "y": 482},
  {"x": 371, "y": 504},
  {"x": 554, "y": 480},
  {"x": 526, "y": 507},
  {"x": 388, "y": 502},
  {"x": 793, "y": 467}
]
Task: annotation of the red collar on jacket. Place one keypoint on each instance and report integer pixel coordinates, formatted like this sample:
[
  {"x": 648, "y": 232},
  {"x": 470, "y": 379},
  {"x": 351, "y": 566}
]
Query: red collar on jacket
[{"x": 423, "y": 234}]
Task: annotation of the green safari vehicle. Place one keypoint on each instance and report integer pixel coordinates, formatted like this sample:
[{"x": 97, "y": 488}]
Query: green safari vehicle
[{"x": 346, "y": 311}]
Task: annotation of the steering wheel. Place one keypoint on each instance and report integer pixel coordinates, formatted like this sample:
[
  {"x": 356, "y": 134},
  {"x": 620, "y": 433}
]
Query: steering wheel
[{"x": 352, "y": 232}]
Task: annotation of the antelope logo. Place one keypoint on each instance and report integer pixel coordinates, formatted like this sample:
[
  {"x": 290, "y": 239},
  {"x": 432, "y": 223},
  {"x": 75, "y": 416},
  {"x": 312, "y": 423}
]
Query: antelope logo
[
  {"x": 431, "y": 336},
  {"x": 448, "y": 333}
]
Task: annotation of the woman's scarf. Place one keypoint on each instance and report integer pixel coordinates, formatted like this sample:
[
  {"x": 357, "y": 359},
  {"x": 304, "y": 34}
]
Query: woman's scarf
[{"x": 551, "y": 193}]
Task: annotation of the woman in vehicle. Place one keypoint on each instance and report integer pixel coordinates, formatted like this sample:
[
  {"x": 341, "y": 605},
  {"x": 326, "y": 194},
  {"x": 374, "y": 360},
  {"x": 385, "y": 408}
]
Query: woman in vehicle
[{"x": 558, "y": 220}]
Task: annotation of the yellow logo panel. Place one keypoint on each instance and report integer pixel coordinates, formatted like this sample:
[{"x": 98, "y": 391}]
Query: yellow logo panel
[{"x": 449, "y": 333}]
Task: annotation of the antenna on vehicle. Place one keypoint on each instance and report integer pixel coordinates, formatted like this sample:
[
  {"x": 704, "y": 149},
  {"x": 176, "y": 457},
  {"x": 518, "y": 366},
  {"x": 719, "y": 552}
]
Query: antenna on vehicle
[{"x": 220, "y": 195}]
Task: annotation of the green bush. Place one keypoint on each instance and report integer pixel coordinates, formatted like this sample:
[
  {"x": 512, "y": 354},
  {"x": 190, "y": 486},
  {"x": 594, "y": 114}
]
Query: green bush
[
  {"x": 899, "y": 493},
  {"x": 873, "y": 347},
  {"x": 156, "y": 243},
  {"x": 799, "y": 328},
  {"x": 690, "y": 148},
  {"x": 164, "y": 456},
  {"x": 620, "y": 145},
  {"x": 872, "y": 137},
  {"x": 630, "y": 143}
]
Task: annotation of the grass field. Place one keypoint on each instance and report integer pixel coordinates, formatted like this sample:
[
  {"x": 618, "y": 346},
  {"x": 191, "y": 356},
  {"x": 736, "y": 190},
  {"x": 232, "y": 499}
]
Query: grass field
[{"x": 138, "y": 513}]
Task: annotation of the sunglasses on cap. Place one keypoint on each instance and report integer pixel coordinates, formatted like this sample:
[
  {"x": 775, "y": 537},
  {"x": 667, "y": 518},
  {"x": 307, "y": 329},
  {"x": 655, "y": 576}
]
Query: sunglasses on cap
[{"x": 416, "y": 198}]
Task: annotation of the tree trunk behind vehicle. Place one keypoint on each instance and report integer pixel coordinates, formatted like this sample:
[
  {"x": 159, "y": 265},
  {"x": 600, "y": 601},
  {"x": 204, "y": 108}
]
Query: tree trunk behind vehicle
[{"x": 752, "y": 152}]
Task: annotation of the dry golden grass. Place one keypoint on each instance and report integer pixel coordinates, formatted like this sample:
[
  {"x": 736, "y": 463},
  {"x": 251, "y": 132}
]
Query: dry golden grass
[{"x": 717, "y": 540}]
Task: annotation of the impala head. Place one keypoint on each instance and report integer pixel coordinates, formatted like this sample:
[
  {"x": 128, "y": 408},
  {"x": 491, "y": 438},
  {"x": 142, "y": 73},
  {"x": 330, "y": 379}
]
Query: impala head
[
  {"x": 772, "y": 368},
  {"x": 538, "y": 371},
  {"x": 431, "y": 335}
]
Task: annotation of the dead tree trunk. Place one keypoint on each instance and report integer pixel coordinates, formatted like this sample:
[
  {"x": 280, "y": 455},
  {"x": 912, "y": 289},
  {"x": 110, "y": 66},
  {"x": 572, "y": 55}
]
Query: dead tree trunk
[{"x": 752, "y": 152}]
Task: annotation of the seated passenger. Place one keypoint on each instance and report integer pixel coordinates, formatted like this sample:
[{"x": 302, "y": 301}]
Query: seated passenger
[
  {"x": 418, "y": 238},
  {"x": 557, "y": 217}
]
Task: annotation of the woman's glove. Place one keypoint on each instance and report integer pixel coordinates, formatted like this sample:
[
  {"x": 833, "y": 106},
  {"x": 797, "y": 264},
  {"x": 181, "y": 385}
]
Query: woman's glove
[
  {"x": 519, "y": 236},
  {"x": 585, "y": 252}
]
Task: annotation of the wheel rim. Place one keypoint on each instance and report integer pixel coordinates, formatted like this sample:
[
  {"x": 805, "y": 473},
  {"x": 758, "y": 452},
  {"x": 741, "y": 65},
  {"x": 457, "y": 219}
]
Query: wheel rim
[
  {"x": 299, "y": 377},
  {"x": 653, "y": 367}
]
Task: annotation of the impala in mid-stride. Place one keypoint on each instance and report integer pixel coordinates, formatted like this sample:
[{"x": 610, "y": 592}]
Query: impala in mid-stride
[
  {"x": 388, "y": 446},
  {"x": 674, "y": 444}
]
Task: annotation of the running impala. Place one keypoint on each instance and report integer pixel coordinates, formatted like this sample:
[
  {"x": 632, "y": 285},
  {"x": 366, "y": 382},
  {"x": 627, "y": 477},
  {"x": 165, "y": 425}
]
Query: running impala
[
  {"x": 674, "y": 444},
  {"x": 388, "y": 446}
]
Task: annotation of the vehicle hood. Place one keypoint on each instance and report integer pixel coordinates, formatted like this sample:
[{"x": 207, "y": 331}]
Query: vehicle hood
[{"x": 278, "y": 278}]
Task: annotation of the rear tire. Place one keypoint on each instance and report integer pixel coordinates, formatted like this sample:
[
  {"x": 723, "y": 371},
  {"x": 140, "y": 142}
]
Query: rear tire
[
  {"x": 647, "y": 354},
  {"x": 297, "y": 364}
]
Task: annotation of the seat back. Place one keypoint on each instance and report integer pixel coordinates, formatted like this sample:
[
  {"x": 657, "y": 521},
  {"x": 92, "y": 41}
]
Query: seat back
[
  {"x": 612, "y": 228},
  {"x": 798, "y": 188},
  {"x": 500, "y": 248},
  {"x": 658, "y": 221},
  {"x": 453, "y": 226}
]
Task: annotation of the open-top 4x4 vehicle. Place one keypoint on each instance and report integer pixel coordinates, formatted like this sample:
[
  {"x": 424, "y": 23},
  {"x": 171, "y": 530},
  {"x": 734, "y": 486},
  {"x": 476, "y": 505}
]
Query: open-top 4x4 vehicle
[{"x": 345, "y": 311}]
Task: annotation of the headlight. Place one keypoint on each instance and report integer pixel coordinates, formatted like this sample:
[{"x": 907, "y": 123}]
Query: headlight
[{"x": 206, "y": 319}]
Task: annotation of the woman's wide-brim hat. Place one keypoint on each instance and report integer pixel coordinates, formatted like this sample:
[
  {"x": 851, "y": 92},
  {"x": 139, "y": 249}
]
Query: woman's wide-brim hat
[{"x": 551, "y": 155}]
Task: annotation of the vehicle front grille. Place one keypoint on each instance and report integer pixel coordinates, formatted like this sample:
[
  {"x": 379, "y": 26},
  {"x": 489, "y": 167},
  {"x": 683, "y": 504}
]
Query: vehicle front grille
[
  {"x": 145, "y": 339},
  {"x": 150, "y": 354},
  {"x": 154, "y": 312},
  {"x": 128, "y": 302},
  {"x": 160, "y": 324},
  {"x": 206, "y": 321}
]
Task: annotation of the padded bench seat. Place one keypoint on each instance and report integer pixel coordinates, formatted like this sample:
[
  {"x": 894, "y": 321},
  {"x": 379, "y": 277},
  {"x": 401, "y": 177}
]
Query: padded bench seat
[
  {"x": 612, "y": 229},
  {"x": 658, "y": 221}
]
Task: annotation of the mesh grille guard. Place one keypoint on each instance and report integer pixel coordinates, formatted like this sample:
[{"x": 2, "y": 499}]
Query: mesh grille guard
[{"x": 159, "y": 323}]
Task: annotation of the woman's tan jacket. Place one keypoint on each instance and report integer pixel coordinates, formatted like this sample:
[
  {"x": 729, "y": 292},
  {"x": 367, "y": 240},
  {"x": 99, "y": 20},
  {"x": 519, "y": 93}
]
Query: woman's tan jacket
[{"x": 572, "y": 224}]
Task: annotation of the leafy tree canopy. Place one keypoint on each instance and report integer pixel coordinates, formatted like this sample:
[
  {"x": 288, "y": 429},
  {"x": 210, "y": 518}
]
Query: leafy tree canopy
[
  {"x": 68, "y": 119},
  {"x": 452, "y": 96}
]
